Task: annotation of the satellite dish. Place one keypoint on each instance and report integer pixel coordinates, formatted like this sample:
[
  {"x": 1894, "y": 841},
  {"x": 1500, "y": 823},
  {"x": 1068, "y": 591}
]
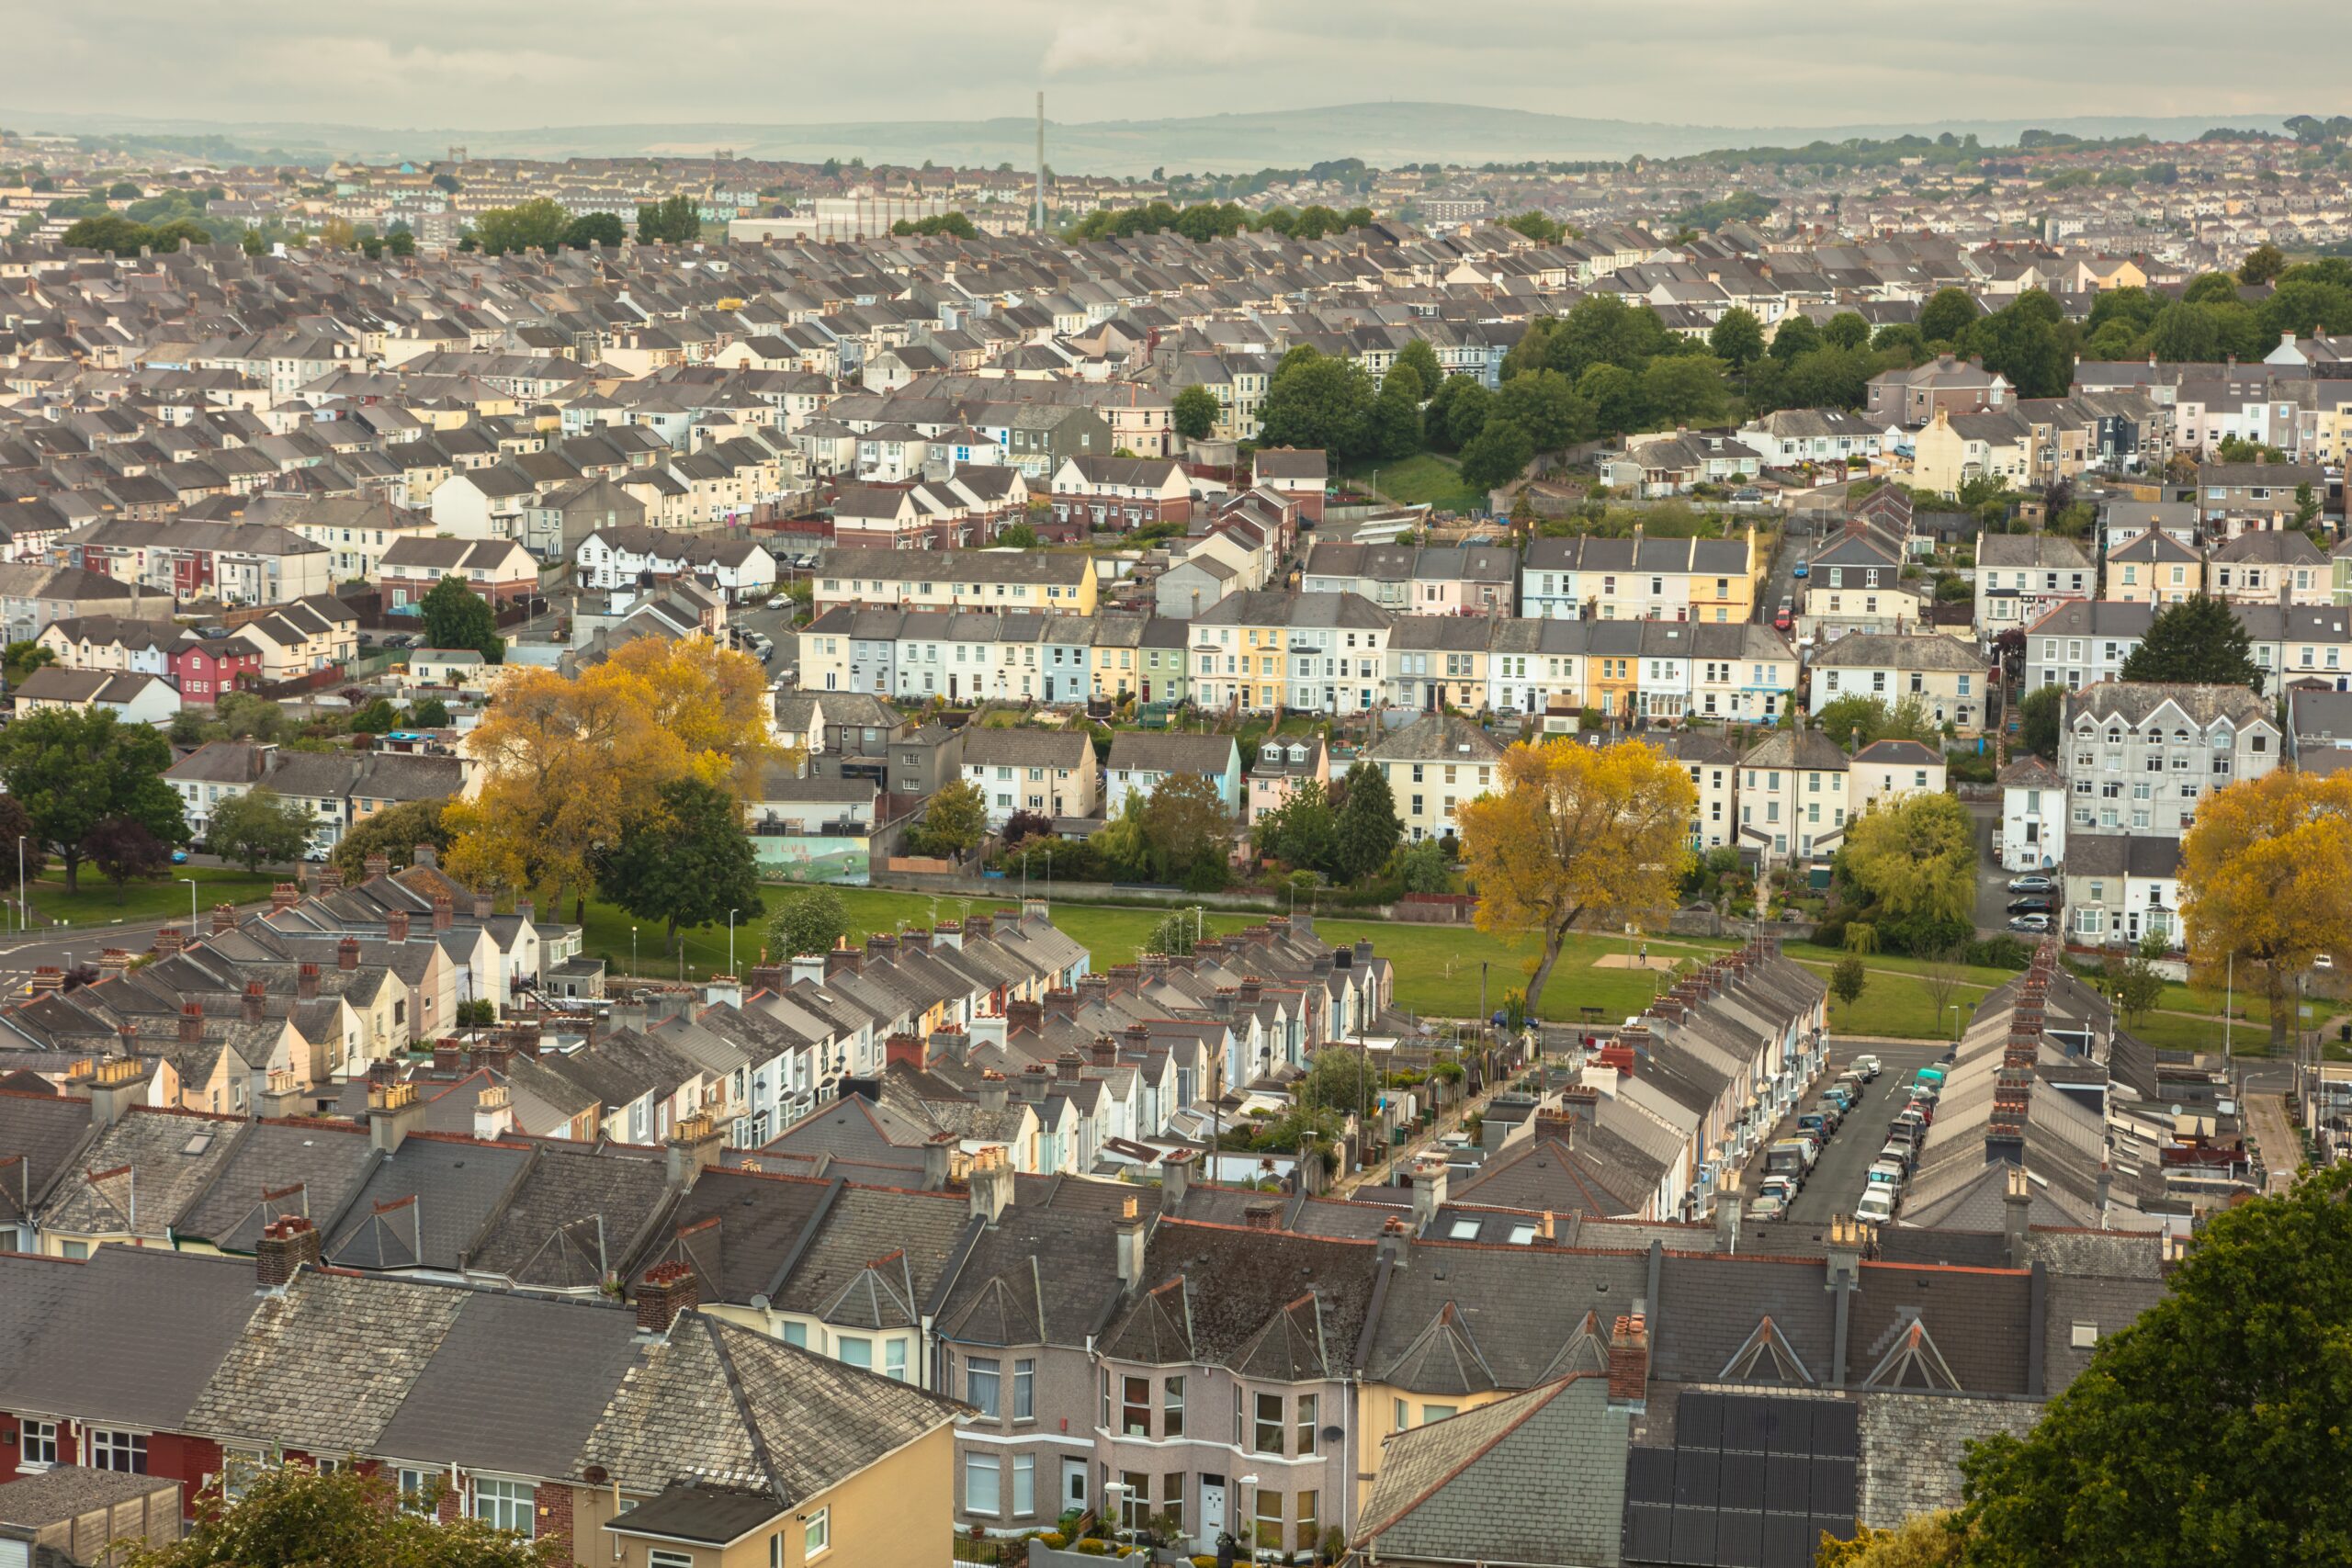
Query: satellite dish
[{"x": 759, "y": 1304}]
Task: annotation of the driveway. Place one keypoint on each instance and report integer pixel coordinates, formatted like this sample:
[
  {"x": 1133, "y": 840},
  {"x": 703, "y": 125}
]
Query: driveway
[
  {"x": 1839, "y": 1176},
  {"x": 1992, "y": 893}
]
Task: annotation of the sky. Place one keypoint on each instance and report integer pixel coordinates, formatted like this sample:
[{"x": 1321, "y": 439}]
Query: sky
[{"x": 499, "y": 64}]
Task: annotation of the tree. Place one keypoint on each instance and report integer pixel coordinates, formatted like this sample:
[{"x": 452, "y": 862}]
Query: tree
[
  {"x": 394, "y": 833},
  {"x": 1498, "y": 454},
  {"x": 1018, "y": 537},
  {"x": 1303, "y": 830},
  {"x": 1941, "y": 970},
  {"x": 122, "y": 848},
  {"x": 674, "y": 220},
  {"x": 1870, "y": 718},
  {"x": 1847, "y": 981},
  {"x": 1174, "y": 935},
  {"x": 293, "y": 1515},
  {"x": 1948, "y": 313},
  {"x": 2251, "y": 1335},
  {"x": 1465, "y": 410},
  {"x": 808, "y": 920},
  {"x": 2185, "y": 331},
  {"x": 1576, "y": 834},
  {"x": 2199, "y": 640},
  {"x": 1923, "y": 1541},
  {"x": 456, "y": 617},
  {"x": 73, "y": 770},
  {"x": 2307, "y": 505},
  {"x": 21, "y": 659},
  {"x": 1614, "y": 396},
  {"x": 16, "y": 823},
  {"x": 2031, "y": 342},
  {"x": 1423, "y": 867},
  {"x": 1368, "y": 828},
  {"x": 1393, "y": 427},
  {"x": 1684, "y": 389},
  {"x": 1317, "y": 401},
  {"x": 1846, "y": 330},
  {"x": 1024, "y": 825},
  {"x": 1422, "y": 360},
  {"x": 1915, "y": 857},
  {"x": 2266, "y": 880},
  {"x": 1737, "y": 338},
  {"x": 687, "y": 863},
  {"x": 2262, "y": 264},
  {"x": 2135, "y": 984},
  {"x": 1796, "y": 335},
  {"x": 377, "y": 718},
  {"x": 401, "y": 241},
  {"x": 593, "y": 229},
  {"x": 536, "y": 225},
  {"x": 1337, "y": 1079},
  {"x": 112, "y": 233},
  {"x": 1186, "y": 824},
  {"x": 1535, "y": 226},
  {"x": 430, "y": 712},
  {"x": 954, "y": 823},
  {"x": 1545, "y": 404},
  {"x": 1197, "y": 412},
  {"x": 2037, "y": 720},
  {"x": 259, "y": 826}
]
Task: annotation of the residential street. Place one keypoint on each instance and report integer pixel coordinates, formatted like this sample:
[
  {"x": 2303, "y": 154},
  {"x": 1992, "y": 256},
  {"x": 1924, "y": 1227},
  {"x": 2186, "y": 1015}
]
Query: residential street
[{"x": 1839, "y": 1178}]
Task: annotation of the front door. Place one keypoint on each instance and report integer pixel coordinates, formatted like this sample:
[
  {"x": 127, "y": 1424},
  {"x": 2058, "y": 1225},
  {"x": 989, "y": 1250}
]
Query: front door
[
  {"x": 1074, "y": 1484},
  {"x": 1212, "y": 1506}
]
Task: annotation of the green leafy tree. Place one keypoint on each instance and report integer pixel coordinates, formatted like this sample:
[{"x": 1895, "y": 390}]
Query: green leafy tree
[
  {"x": 2183, "y": 331},
  {"x": 112, "y": 232},
  {"x": 1873, "y": 719},
  {"x": 456, "y": 617},
  {"x": 1828, "y": 376},
  {"x": 2135, "y": 984},
  {"x": 676, "y": 220},
  {"x": 21, "y": 659},
  {"x": 1424, "y": 868},
  {"x": 2031, "y": 342},
  {"x": 593, "y": 229},
  {"x": 394, "y": 833},
  {"x": 401, "y": 241},
  {"x": 260, "y": 827},
  {"x": 2262, "y": 264},
  {"x": 1392, "y": 428},
  {"x": 1017, "y": 535},
  {"x": 1614, "y": 394},
  {"x": 1848, "y": 980},
  {"x": 1796, "y": 335},
  {"x": 1368, "y": 828},
  {"x": 1737, "y": 337},
  {"x": 1498, "y": 454},
  {"x": 2254, "y": 1334},
  {"x": 1303, "y": 830},
  {"x": 1317, "y": 401},
  {"x": 1685, "y": 388},
  {"x": 538, "y": 224},
  {"x": 1174, "y": 935},
  {"x": 1188, "y": 828},
  {"x": 243, "y": 715},
  {"x": 1338, "y": 1079},
  {"x": 807, "y": 921},
  {"x": 1846, "y": 330},
  {"x": 377, "y": 717},
  {"x": 1535, "y": 226},
  {"x": 1545, "y": 404},
  {"x": 1947, "y": 315},
  {"x": 122, "y": 848},
  {"x": 1915, "y": 857},
  {"x": 1196, "y": 410},
  {"x": 1602, "y": 329},
  {"x": 73, "y": 770},
  {"x": 2197, "y": 640},
  {"x": 1422, "y": 360},
  {"x": 685, "y": 863},
  {"x": 2037, "y": 720},
  {"x": 292, "y": 1516},
  {"x": 954, "y": 822},
  {"x": 2210, "y": 289},
  {"x": 431, "y": 713},
  {"x": 1466, "y": 411}
]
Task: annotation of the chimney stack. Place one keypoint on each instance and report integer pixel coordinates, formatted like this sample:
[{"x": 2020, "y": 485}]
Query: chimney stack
[
  {"x": 426, "y": 855},
  {"x": 393, "y": 1113},
  {"x": 1175, "y": 1179},
  {"x": 224, "y": 919},
  {"x": 379, "y": 865},
  {"x": 191, "y": 1022},
  {"x": 991, "y": 1184},
  {"x": 1128, "y": 1229},
  {"x": 494, "y": 1113},
  {"x": 347, "y": 954},
  {"x": 443, "y": 913},
  {"x": 306, "y": 983},
  {"x": 168, "y": 941},
  {"x": 255, "y": 1000},
  {"x": 329, "y": 879},
  {"x": 669, "y": 1289},
  {"x": 1429, "y": 1193},
  {"x": 283, "y": 896},
  {"x": 993, "y": 1092},
  {"x": 115, "y": 1084},
  {"x": 288, "y": 1245},
  {"x": 1629, "y": 1363},
  {"x": 694, "y": 1146},
  {"x": 938, "y": 1161},
  {"x": 906, "y": 1051},
  {"x": 484, "y": 906},
  {"x": 2016, "y": 1207},
  {"x": 1727, "y": 1215}
]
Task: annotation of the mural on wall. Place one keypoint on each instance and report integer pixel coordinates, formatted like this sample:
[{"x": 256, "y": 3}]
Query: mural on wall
[{"x": 813, "y": 858}]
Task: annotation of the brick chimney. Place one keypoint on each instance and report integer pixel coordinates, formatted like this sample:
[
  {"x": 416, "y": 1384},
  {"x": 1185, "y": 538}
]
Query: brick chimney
[
  {"x": 1103, "y": 1050},
  {"x": 840, "y": 958},
  {"x": 347, "y": 954},
  {"x": 1727, "y": 1216},
  {"x": 1094, "y": 990},
  {"x": 191, "y": 1022},
  {"x": 1262, "y": 1214},
  {"x": 1246, "y": 996},
  {"x": 224, "y": 919},
  {"x": 669, "y": 1289},
  {"x": 1023, "y": 1018},
  {"x": 1629, "y": 1363},
  {"x": 283, "y": 896},
  {"x": 113, "y": 964},
  {"x": 306, "y": 983},
  {"x": 1068, "y": 1066},
  {"x": 255, "y": 995},
  {"x": 1061, "y": 1003},
  {"x": 1127, "y": 1233},
  {"x": 993, "y": 1092},
  {"x": 906, "y": 1051},
  {"x": 991, "y": 1184},
  {"x": 694, "y": 1146},
  {"x": 938, "y": 1161},
  {"x": 426, "y": 855},
  {"x": 168, "y": 941},
  {"x": 329, "y": 879},
  {"x": 288, "y": 1245},
  {"x": 484, "y": 906},
  {"x": 443, "y": 913}
]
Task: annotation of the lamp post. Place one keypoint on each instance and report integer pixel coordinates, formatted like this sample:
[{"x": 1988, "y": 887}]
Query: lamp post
[
  {"x": 730, "y": 939},
  {"x": 20, "y": 885},
  {"x": 1954, "y": 1008},
  {"x": 632, "y": 953},
  {"x": 191, "y": 905},
  {"x": 1249, "y": 1520}
]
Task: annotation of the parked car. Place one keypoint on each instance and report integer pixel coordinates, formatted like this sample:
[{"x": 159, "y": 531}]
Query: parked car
[
  {"x": 1814, "y": 1123},
  {"x": 2034, "y": 884},
  {"x": 2030, "y": 923},
  {"x": 179, "y": 857},
  {"x": 1804, "y": 567},
  {"x": 1877, "y": 1206},
  {"x": 1896, "y": 1154},
  {"x": 2033, "y": 904},
  {"x": 1868, "y": 1066},
  {"x": 1846, "y": 1096},
  {"x": 1887, "y": 1172},
  {"x": 1784, "y": 617},
  {"x": 1749, "y": 493},
  {"x": 1779, "y": 1187},
  {"x": 1766, "y": 1206}
]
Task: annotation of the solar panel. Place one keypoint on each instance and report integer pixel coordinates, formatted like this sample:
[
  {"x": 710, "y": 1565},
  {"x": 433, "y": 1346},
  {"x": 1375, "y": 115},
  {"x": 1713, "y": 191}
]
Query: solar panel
[
  {"x": 1699, "y": 1420},
  {"x": 1790, "y": 1423},
  {"x": 1743, "y": 1417},
  {"x": 1832, "y": 1489},
  {"x": 1695, "y": 1477},
  {"x": 1649, "y": 1533},
  {"x": 1694, "y": 1537},
  {"x": 1740, "y": 1540},
  {"x": 1834, "y": 1431},
  {"x": 1787, "y": 1488},
  {"x": 1649, "y": 1475},
  {"x": 1789, "y": 1541},
  {"x": 1740, "y": 1483}
]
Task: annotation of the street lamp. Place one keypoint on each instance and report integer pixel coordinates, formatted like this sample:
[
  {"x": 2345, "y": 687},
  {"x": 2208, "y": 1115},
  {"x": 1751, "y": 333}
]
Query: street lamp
[
  {"x": 1954, "y": 1008},
  {"x": 632, "y": 951},
  {"x": 730, "y": 939},
  {"x": 20, "y": 885},
  {"x": 191, "y": 905},
  {"x": 1249, "y": 1515}
]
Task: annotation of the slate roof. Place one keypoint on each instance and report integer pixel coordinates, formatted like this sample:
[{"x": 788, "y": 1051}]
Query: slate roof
[{"x": 165, "y": 1319}]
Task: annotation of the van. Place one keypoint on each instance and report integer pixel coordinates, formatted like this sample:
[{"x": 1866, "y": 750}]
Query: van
[
  {"x": 1877, "y": 1206},
  {"x": 1788, "y": 1157},
  {"x": 1886, "y": 1173},
  {"x": 1931, "y": 1075}
]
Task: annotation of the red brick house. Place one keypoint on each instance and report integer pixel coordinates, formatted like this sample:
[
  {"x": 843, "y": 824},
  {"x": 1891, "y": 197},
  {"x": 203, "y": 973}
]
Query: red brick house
[
  {"x": 1119, "y": 493},
  {"x": 204, "y": 669}
]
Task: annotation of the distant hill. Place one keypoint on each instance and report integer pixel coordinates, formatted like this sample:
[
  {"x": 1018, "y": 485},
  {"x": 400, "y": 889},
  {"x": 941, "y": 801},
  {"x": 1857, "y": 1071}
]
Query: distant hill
[{"x": 1382, "y": 134}]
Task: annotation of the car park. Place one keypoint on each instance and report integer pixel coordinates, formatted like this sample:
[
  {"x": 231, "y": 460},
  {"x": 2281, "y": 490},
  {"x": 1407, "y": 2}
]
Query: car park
[
  {"x": 1877, "y": 1206},
  {"x": 2032, "y": 884},
  {"x": 2029, "y": 922}
]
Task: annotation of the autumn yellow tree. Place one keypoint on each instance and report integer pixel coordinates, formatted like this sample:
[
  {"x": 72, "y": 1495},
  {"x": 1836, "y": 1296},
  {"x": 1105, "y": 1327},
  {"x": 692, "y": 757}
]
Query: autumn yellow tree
[
  {"x": 2266, "y": 880},
  {"x": 1577, "y": 835},
  {"x": 569, "y": 764}
]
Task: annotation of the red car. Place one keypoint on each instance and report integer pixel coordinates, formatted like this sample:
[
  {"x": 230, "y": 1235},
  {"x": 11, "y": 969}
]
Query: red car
[{"x": 1782, "y": 618}]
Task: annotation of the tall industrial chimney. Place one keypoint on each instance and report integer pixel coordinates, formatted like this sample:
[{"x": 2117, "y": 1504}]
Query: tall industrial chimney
[{"x": 1041, "y": 160}]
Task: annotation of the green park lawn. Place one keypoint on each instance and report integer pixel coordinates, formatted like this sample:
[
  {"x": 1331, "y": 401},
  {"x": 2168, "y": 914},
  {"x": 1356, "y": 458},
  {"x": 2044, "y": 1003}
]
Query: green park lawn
[
  {"x": 98, "y": 902},
  {"x": 1418, "y": 480}
]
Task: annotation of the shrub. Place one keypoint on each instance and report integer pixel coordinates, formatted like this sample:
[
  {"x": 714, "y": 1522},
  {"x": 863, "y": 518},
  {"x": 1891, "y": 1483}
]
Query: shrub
[
  {"x": 1999, "y": 952},
  {"x": 1091, "y": 1548},
  {"x": 1053, "y": 1540}
]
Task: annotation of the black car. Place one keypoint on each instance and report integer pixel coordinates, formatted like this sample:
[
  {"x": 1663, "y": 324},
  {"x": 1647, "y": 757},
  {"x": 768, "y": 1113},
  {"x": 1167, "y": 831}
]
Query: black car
[{"x": 2033, "y": 904}]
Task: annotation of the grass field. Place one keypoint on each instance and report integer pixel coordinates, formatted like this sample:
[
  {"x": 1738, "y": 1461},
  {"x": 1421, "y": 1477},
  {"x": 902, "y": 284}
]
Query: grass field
[
  {"x": 96, "y": 904},
  {"x": 1439, "y": 968},
  {"x": 1415, "y": 481}
]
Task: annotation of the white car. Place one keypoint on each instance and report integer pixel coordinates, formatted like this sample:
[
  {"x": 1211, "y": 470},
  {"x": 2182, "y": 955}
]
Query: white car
[
  {"x": 1877, "y": 1206},
  {"x": 1868, "y": 1066},
  {"x": 1887, "y": 1174}
]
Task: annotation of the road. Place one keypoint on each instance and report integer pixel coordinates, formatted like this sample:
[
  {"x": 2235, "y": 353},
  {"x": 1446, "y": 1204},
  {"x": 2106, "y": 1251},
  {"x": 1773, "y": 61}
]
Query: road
[
  {"x": 1841, "y": 1173},
  {"x": 65, "y": 946},
  {"x": 1799, "y": 538}
]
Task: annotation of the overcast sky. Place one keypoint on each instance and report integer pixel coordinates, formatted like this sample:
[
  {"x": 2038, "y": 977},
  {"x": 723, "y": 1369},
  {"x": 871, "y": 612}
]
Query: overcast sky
[{"x": 495, "y": 65}]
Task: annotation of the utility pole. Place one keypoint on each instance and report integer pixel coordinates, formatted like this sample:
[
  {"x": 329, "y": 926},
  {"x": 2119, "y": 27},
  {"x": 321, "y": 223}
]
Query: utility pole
[{"x": 1041, "y": 161}]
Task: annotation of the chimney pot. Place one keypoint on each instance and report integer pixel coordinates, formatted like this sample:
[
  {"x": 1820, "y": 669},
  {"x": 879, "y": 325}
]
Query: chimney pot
[
  {"x": 287, "y": 1245},
  {"x": 668, "y": 1289},
  {"x": 306, "y": 982},
  {"x": 224, "y": 919},
  {"x": 347, "y": 954}
]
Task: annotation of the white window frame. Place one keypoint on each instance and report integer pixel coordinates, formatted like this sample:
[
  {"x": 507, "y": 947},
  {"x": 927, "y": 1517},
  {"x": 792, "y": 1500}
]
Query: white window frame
[
  {"x": 498, "y": 1498},
  {"x": 816, "y": 1534}
]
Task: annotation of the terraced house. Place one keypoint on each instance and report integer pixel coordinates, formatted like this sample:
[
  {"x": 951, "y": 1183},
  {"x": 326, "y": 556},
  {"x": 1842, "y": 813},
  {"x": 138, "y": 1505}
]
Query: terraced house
[{"x": 1594, "y": 577}]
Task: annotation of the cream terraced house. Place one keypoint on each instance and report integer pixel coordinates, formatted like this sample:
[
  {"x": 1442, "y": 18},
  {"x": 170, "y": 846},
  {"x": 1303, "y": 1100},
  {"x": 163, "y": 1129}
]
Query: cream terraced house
[
  {"x": 956, "y": 580},
  {"x": 1948, "y": 680},
  {"x": 1436, "y": 765}
]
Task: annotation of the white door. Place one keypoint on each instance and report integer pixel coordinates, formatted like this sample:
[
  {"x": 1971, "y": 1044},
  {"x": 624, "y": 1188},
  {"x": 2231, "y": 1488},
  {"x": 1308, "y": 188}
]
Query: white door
[
  {"x": 1212, "y": 1506},
  {"x": 1074, "y": 1484}
]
